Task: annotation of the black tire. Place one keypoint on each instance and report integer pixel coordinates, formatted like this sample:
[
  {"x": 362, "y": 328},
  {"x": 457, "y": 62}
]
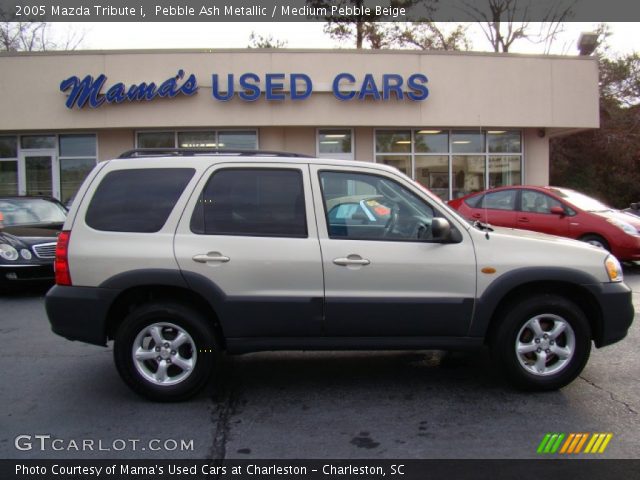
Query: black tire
[
  {"x": 186, "y": 319},
  {"x": 521, "y": 369},
  {"x": 596, "y": 240}
]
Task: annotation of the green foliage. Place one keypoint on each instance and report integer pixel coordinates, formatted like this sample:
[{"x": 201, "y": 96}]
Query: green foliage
[
  {"x": 260, "y": 41},
  {"x": 605, "y": 163}
]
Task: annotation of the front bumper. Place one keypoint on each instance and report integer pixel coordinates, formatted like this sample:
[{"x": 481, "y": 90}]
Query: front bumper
[
  {"x": 18, "y": 273},
  {"x": 616, "y": 306},
  {"x": 80, "y": 313}
]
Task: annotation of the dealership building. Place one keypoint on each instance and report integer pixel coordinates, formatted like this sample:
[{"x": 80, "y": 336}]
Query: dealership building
[{"x": 456, "y": 122}]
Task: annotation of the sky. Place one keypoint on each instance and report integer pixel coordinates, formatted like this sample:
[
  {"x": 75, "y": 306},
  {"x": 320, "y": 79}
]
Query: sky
[{"x": 197, "y": 35}]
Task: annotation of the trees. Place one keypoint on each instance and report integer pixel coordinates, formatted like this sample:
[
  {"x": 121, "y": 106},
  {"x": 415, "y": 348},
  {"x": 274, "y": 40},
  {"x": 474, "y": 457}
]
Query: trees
[
  {"x": 505, "y": 22},
  {"x": 606, "y": 163},
  {"x": 261, "y": 41},
  {"x": 365, "y": 30},
  {"x": 34, "y": 36}
]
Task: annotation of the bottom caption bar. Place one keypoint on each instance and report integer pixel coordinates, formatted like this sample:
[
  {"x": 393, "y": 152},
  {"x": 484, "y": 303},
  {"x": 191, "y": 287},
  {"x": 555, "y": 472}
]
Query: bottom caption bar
[{"x": 317, "y": 469}]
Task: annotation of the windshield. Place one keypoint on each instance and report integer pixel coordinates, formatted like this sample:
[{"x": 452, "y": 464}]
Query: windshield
[
  {"x": 580, "y": 200},
  {"x": 30, "y": 211}
]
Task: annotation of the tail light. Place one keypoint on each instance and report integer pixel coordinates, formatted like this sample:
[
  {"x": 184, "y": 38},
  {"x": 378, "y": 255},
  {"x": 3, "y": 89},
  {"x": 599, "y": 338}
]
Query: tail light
[{"x": 61, "y": 265}]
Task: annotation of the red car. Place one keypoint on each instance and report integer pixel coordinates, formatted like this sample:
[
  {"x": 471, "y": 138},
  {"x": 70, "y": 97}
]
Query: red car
[{"x": 556, "y": 211}]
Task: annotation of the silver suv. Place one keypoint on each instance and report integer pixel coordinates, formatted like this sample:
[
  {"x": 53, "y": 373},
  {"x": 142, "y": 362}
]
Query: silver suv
[{"x": 179, "y": 256}]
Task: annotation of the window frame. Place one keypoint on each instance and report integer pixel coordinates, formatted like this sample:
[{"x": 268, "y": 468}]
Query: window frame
[
  {"x": 215, "y": 131},
  {"x": 338, "y": 156},
  {"x": 200, "y": 194},
  {"x": 413, "y": 153},
  {"x": 521, "y": 199},
  {"x": 101, "y": 181},
  {"x": 436, "y": 211}
]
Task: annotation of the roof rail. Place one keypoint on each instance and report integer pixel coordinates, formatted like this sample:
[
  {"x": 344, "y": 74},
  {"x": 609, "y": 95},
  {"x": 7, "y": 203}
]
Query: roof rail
[{"x": 191, "y": 152}]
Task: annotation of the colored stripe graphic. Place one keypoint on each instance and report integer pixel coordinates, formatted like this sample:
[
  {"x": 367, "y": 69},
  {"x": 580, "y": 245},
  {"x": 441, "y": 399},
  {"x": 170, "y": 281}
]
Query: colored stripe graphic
[
  {"x": 543, "y": 443},
  {"x": 574, "y": 443}
]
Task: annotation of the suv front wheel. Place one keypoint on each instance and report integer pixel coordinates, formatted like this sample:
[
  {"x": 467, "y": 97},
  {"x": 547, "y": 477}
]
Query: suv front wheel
[
  {"x": 164, "y": 351},
  {"x": 543, "y": 342}
]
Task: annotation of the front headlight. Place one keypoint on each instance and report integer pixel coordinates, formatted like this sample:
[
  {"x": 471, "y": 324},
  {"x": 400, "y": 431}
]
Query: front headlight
[
  {"x": 624, "y": 226},
  {"x": 614, "y": 270},
  {"x": 8, "y": 252}
]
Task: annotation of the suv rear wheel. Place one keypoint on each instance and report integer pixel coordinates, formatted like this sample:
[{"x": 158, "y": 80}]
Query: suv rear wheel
[
  {"x": 543, "y": 342},
  {"x": 164, "y": 351}
]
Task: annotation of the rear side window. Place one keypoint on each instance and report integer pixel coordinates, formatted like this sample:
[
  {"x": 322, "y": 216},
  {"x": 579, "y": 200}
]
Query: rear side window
[
  {"x": 473, "y": 202},
  {"x": 137, "y": 200},
  {"x": 252, "y": 202},
  {"x": 500, "y": 200}
]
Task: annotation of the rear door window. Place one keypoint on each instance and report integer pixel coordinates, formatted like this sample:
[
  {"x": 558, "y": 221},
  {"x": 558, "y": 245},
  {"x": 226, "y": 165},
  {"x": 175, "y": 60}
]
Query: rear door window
[
  {"x": 136, "y": 200},
  {"x": 267, "y": 202}
]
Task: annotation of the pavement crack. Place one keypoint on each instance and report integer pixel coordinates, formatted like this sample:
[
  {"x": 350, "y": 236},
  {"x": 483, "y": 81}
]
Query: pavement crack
[
  {"x": 611, "y": 394},
  {"x": 224, "y": 407}
]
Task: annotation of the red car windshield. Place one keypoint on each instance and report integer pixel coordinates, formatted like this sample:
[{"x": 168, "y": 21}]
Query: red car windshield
[{"x": 581, "y": 201}]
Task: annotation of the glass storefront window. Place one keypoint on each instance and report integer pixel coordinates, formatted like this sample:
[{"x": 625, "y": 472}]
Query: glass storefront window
[
  {"x": 393, "y": 141},
  {"x": 238, "y": 140},
  {"x": 401, "y": 162},
  {"x": 432, "y": 141},
  {"x": 432, "y": 171},
  {"x": 233, "y": 140},
  {"x": 504, "y": 141},
  {"x": 38, "y": 141},
  {"x": 505, "y": 170},
  {"x": 38, "y": 175},
  {"x": 197, "y": 140},
  {"x": 334, "y": 141},
  {"x": 9, "y": 178},
  {"x": 468, "y": 174},
  {"x": 8, "y": 147},
  {"x": 431, "y": 152},
  {"x": 156, "y": 140},
  {"x": 73, "y": 171},
  {"x": 467, "y": 141},
  {"x": 77, "y": 145}
]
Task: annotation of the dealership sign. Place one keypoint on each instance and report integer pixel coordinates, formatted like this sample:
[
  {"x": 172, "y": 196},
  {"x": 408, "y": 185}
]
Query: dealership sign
[{"x": 247, "y": 87}]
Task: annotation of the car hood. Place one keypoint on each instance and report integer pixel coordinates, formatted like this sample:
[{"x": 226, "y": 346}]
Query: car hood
[
  {"x": 511, "y": 249},
  {"x": 30, "y": 234},
  {"x": 621, "y": 216}
]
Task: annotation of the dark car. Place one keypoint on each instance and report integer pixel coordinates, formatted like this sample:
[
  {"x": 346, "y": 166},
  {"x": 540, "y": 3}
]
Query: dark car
[
  {"x": 29, "y": 227},
  {"x": 634, "y": 209}
]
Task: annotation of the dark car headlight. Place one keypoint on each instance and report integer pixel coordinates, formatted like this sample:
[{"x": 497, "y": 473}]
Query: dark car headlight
[{"x": 8, "y": 252}]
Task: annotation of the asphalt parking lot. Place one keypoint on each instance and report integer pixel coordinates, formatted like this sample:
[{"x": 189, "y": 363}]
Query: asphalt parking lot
[{"x": 303, "y": 405}]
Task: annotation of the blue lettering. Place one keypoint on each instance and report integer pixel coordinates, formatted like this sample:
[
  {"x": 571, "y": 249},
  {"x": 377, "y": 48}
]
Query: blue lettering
[
  {"x": 115, "y": 94},
  {"x": 416, "y": 84},
  {"x": 336, "y": 86},
  {"x": 392, "y": 82},
  {"x": 249, "y": 92},
  {"x": 215, "y": 90},
  {"x": 83, "y": 90},
  {"x": 190, "y": 86},
  {"x": 141, "y": 92},
  {"x": 369, "y": 88},
  {"x": 272, "y": 86},
  {"x": 308, "y": 86},
  {"x": 89, "y": 90}
]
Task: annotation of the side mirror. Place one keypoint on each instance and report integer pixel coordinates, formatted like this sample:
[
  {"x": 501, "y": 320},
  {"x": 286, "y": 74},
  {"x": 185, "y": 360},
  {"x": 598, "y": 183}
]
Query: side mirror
[
  {"x": 441, "y": 231},
  {"x": 558, "y": 211}
]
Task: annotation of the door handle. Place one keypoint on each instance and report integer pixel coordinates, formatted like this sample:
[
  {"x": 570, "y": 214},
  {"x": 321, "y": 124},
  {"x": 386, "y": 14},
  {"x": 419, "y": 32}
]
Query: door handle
[
  {"x": 523, "y": 219},
  {"x": 210, "y": 257},
  {"x": 476, "y": 215},
  {"x": 351, "y": 260}
]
